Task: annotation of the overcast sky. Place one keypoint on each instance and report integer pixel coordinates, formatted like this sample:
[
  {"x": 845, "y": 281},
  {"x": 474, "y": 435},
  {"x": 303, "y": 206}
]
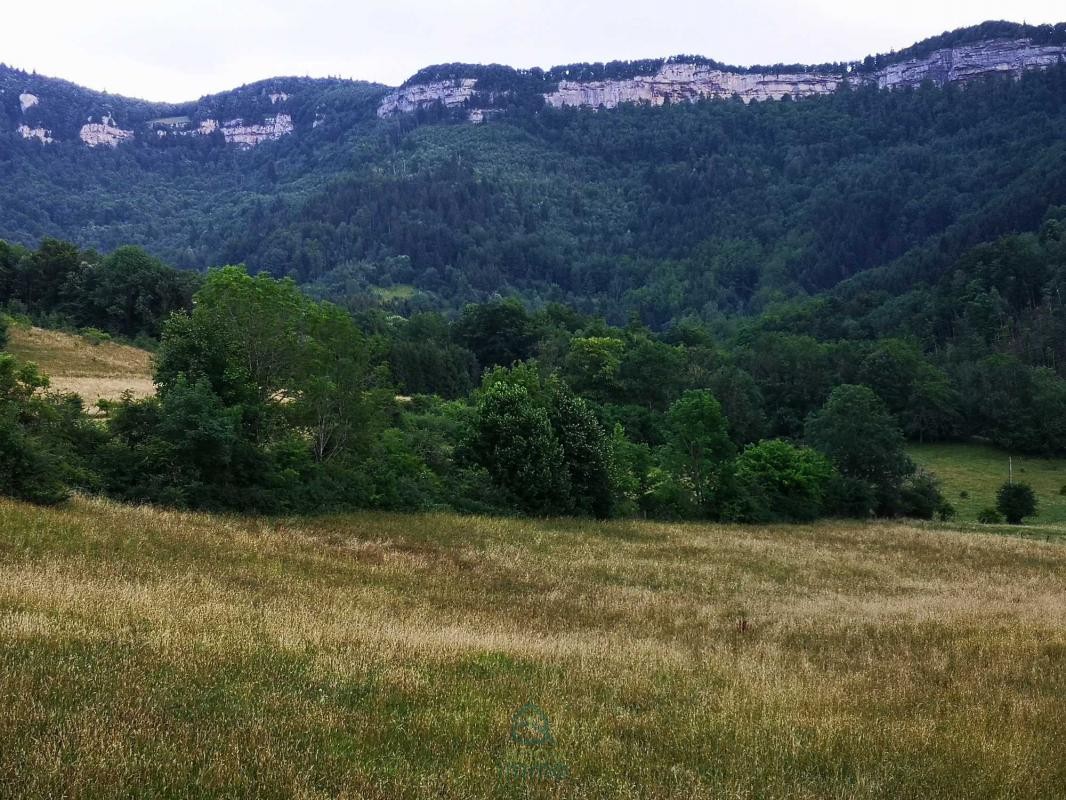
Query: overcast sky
[{"x": 181, "y": 49}]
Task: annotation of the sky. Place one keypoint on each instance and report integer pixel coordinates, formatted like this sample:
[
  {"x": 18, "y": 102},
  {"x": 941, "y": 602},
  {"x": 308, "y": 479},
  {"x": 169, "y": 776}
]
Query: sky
[{"x": 175, "y": 50}]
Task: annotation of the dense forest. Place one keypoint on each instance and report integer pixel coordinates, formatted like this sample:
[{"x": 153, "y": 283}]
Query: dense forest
[{"x": 270, "y": 400}]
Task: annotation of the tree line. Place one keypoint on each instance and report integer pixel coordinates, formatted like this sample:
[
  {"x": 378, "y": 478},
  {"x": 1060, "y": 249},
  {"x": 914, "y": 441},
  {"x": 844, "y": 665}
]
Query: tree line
[{"x": 272, "y": 401}]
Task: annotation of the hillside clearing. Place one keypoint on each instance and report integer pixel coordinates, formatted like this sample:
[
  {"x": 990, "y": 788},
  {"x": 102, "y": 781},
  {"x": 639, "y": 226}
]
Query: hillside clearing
[
  {"x": 979, "y": 470},
  {"x": 75, "y": 364},
  {"x": 155, "y": 653}
]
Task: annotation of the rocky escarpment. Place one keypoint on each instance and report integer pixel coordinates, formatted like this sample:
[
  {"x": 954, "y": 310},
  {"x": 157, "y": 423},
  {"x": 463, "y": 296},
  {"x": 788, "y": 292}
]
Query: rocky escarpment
[
  {"x": 104, "y": 133},
  {"x": 681, "y": 80},
  {"x": 254, "y": 115},
  {"x": 449, "y": 93},
  {"x": 42, "y": 135},
  {"x": 234, "y": 131},
  {"x": 970, "y": 62}
]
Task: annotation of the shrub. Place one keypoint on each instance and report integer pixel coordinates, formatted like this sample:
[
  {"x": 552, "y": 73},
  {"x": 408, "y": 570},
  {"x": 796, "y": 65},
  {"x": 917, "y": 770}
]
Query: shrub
[
  {"x": 946, "y": 512},
  {"x": 36, "y": 455},
  {"x": 1016, "y": 501},
  {"x": 920, "y": 496},
  {"x": 777, "y": 481},
  {"x": 850, "y": 497},
  {"x": 95, "y": 336},
  {"x": 989, "y": 516},
  {"x": 28, "y": 470}
]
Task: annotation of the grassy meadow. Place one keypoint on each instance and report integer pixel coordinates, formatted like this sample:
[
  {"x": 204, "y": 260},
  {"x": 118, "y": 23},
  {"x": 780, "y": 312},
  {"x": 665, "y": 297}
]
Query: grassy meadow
[
  {"x": 76, "y": 364},
  {"x": 979, "y": 470},
  {"x": 146, "y": 653}
]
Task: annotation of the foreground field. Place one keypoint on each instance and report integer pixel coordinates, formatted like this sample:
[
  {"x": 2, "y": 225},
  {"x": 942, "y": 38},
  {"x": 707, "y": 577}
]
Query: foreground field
[
  {"x": 972, "y": 473},
  {"x": 154, "y": 654},
  {"x": 74, "y": 364}
]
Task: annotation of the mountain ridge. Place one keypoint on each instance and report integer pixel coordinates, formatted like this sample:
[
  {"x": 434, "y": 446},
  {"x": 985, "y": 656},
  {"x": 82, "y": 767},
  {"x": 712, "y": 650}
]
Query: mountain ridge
[
  {"x": 694, "y": 208},
  {"x": 261, "y": 111}
]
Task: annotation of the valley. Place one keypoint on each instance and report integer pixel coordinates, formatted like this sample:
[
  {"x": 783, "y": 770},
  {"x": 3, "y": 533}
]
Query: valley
[{"x": 658, "y": 428}]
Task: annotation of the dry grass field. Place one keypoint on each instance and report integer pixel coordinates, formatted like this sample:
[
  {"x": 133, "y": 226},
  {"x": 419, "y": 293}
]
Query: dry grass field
[
  {"x": 74, "y": 364},
  {"x": 146, "y": 653}
]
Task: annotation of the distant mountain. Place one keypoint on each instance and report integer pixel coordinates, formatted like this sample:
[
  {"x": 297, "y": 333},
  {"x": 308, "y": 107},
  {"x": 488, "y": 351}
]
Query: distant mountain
[
  {"x": 682, "y": 200},
  {"x": 50, "y": 110}
]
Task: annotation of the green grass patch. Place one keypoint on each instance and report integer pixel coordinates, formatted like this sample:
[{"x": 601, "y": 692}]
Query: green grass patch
[{"x": 972, "y": 473}]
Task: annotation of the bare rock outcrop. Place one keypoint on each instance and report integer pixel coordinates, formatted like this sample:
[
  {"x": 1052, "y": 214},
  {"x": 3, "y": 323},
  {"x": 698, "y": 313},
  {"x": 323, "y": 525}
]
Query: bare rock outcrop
[
  {"x": 272, "y": 128},
  {"x": 104, "y": 133},
  {"x": 40, "y": 134}
]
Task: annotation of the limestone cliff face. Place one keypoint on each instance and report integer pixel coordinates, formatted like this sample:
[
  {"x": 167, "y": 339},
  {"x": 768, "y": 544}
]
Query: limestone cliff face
[
  {"x": 451, "y": 94},
  {"x": 688, "y": 82},
  {"x": 969, "y": 62},
  {"x": 680, "y": 82},
  {"x": 40, "y": 134},
  {"x": 104, "y": 133},
  {"x": 273, "y": 128}
]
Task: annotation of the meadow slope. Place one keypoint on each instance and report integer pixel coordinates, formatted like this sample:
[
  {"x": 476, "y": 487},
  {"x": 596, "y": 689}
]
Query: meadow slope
[
  {"x": 972, "y": 473},
  {"x": 74, "y": 363},
  {"x": 156, "y": 654}
]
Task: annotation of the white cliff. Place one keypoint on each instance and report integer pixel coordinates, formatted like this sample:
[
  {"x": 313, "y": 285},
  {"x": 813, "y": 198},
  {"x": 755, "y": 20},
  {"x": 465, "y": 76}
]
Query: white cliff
[
  {"x": 972, "y": 61},
  {"x": 103, "y": 133},
  {"x": 236, "y": 132},
  {"x": 680, "y": 82},
  {"x": 688, "y": 82},
  {"x": 451, "y": 94},
  {"x": 41, "y": 134},
  {"x": 28, "y": 101}
]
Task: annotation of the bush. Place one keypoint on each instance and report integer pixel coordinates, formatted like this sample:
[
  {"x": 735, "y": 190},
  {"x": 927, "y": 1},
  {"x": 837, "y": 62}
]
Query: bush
[
  {"x": 514, "y": 441},
  {"x": 36, "y": 436},
  {"x": 1016, "y": 501},
  {"x": 779, "y": 482},
  {"x": 28, "y": 470},
  {"x": 1062, "y": 491},
  {"x": 990, "y": 516},
  {"x": 946, "y": 512},
  {"x": 95, "y": 336},
  {"x": 920, "y": 496},
  {"x": 850, "y": 497}
]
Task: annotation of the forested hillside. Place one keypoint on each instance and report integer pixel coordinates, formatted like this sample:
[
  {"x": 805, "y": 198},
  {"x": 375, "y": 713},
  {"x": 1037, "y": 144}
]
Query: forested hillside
[
  {"x": 270, "y": 400},
  {"x": 685, "y": 211}
]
